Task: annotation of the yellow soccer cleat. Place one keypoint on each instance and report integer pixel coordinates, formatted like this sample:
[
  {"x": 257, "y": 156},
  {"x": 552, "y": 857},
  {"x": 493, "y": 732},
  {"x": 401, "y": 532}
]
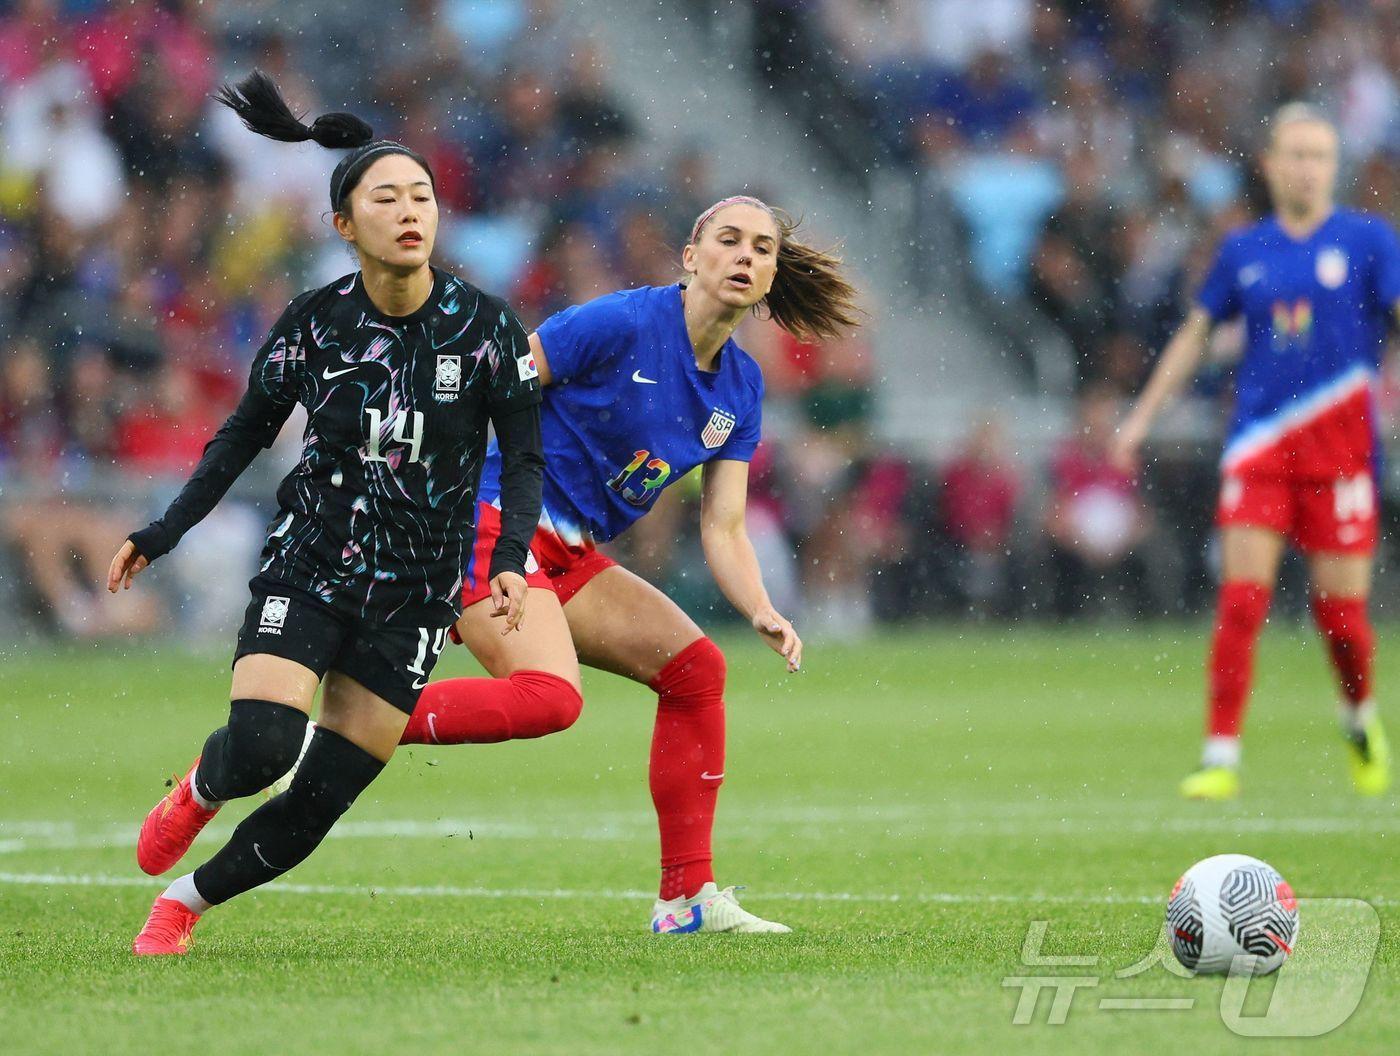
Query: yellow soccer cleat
[
  {"x": 1216, "y": 783},
  {"x": 1369, "y": 754}
]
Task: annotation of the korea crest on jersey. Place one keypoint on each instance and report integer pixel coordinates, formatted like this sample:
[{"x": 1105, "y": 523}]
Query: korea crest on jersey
[
  {"x": 717, "y": 430},
  {"x": 274, "y": 615},
  {"x": 448, "y": 382}
]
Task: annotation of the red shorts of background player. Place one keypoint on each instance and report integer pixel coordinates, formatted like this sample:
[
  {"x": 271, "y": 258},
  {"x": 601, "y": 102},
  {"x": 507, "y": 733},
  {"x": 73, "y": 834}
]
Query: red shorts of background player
[
  {"x": 562, "y": 567},
  {"x": 1337, "y": 515},
  {"x": 1311, "y": 483}
]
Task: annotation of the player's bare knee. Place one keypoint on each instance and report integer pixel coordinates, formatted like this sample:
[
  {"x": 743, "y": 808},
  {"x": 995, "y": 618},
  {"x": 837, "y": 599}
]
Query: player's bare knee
[
  {"x": 360, "y": 716},
  {"x": 261, "y": 676}
]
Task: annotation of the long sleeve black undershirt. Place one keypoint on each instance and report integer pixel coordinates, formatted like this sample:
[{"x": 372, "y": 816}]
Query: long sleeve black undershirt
[
  {"x": 252, "y": 426},
  {"x": 255, "y": 424},
  {"x": 522, "y": 485}
]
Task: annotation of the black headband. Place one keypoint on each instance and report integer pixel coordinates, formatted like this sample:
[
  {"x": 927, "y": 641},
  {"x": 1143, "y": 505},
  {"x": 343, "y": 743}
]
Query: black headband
[{"x": 350, "y": 168}]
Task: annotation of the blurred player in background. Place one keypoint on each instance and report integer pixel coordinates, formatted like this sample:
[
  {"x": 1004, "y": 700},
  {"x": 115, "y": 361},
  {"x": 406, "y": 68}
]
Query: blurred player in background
[
  {"x": 1317, "y": 286},
  {"x": 399, "y": 366},
  {"x": 641, "y": 387}
]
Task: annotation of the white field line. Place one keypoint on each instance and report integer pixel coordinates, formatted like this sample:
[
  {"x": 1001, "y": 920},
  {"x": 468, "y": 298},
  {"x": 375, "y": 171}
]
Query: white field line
[
  {"x": 527, "y": 893},
  {"x": 929, "y": 822},
  {"x": 39, "y": 835},
  {"x": 558, "y": 893}
]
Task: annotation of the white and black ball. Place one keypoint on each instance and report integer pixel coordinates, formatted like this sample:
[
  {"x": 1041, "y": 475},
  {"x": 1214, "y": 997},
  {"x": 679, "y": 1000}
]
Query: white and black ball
[{"x": 1232, "y": 906}]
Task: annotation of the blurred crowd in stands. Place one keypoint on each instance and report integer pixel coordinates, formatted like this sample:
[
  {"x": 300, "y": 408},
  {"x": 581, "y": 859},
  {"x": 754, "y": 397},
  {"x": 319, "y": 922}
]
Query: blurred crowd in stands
[{"x": 1092, "y": 150}]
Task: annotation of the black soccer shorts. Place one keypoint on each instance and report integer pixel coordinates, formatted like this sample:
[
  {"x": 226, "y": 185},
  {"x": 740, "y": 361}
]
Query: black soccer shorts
[{"x": 391, "y": 662}]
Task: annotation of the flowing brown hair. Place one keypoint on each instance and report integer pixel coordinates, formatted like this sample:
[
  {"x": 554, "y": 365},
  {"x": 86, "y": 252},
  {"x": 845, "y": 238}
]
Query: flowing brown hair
[{"x": 811, "y": 297}]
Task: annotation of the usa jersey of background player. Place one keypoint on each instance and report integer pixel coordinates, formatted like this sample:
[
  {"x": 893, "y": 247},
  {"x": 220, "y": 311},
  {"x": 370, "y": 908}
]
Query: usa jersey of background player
[
  {"x": 1302, "y": 446},
  {"x": 1318, "y": 287}
]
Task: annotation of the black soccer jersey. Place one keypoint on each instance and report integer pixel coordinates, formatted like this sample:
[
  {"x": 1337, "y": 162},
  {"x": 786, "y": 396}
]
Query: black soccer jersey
[{"x": 376, "y": 518}]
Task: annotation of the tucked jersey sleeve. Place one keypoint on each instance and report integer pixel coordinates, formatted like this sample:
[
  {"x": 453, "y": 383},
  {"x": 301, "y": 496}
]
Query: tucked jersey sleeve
[
  {"x": 748, "y": 430},
  {"x": 1387, "y": 264},
  {"x": 513, "y": 381},
  {"x": 587, "y": 336},
  {"x": 1219, "y": 295}
]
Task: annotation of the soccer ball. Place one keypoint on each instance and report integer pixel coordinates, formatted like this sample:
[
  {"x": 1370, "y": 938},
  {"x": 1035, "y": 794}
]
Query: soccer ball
[{"x": 1232, "y": 906}]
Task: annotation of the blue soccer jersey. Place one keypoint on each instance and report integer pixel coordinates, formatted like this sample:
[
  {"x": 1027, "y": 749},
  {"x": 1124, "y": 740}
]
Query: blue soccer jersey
[
  {"x": 1316, "y": 312},
  {"x": 628, "y": 412}
]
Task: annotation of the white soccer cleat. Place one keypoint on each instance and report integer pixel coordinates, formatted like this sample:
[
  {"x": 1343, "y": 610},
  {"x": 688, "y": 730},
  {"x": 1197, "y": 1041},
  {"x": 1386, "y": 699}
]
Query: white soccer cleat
[
  {"x": 710, "y": 910},
  {"x": 285, "y": 781}
]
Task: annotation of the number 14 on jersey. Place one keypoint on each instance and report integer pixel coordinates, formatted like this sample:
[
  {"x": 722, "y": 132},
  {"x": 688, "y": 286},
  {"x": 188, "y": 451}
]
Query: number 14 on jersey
[{"x": 375, "y": 429}]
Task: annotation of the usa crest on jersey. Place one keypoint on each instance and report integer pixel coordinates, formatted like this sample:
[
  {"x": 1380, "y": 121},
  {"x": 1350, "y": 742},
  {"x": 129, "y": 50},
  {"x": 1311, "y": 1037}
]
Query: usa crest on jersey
[
  {"x": 717, "y": 430},
  {"x": 1332, "y": 267}
]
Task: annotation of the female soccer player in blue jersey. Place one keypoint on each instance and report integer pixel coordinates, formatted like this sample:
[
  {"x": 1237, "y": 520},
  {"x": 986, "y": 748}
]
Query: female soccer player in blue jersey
[
  {"x": 1317, "y": 286},
  {"x": 642, "y": 386}
]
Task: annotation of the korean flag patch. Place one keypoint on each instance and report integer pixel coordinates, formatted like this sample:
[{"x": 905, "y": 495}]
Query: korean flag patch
[{"x": 526, "y": 366}]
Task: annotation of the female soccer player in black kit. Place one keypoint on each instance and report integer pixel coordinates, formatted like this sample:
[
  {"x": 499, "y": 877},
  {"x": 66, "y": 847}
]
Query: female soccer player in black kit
[{"x": 399, "y": 366}]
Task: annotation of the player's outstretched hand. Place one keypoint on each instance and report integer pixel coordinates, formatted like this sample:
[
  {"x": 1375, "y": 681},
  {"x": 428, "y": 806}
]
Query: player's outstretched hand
[
  {"x": 124, "y": 567},
  {"x": 780, "y": 636},
  {"x": 508, "y": 591}
]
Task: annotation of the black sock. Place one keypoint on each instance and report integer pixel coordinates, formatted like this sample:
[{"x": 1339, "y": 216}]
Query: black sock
[
  {"x": 259, "y": 745},
  {"x": 287, "y": 828}
]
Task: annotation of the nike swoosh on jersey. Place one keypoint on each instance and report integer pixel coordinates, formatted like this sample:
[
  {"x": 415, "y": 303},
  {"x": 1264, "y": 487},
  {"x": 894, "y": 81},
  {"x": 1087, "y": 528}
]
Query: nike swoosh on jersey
[
  {"x": 637, "y": 377},
  {"x": 328, "y": 373}
]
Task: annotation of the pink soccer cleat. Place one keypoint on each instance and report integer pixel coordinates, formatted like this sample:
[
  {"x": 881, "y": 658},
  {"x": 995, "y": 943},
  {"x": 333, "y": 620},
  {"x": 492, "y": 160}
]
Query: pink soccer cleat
[
  {"x": 171, "y": 827},
  {"x": 169, "y": 930}
]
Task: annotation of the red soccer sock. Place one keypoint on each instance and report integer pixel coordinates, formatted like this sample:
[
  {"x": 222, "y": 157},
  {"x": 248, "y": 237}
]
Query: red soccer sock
[
  {"x": 687, "y": 764},
  {"x": 1346, "y": 627},
  {"x": 1240, "y": 615},
  {"x": 488, "y": 710}
]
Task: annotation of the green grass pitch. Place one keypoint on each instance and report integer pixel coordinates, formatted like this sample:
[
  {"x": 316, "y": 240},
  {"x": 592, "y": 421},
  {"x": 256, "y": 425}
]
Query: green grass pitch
[{"x": 910, "y": 806}]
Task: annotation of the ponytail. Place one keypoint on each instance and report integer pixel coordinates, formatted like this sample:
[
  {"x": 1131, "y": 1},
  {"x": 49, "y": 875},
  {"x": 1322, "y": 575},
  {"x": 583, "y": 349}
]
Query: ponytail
[
  {"x": 811, "y": 297},
  {"x": 259, "y": 104}
]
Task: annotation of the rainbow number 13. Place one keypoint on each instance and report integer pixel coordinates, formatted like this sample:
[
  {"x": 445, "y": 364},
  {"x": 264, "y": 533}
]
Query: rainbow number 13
[{"x": 650, "y": 475}]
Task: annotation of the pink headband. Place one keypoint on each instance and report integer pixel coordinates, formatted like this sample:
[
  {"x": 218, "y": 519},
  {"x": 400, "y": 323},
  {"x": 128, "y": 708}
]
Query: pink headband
[{"x": 737, "y": 199}]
